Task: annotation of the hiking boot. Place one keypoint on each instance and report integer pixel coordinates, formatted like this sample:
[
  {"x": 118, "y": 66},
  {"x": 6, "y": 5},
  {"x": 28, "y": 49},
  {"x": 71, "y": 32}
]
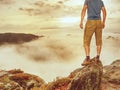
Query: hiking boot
[
  {"x": 86, "y": 62},
  {"x": 97, "y": 58}
]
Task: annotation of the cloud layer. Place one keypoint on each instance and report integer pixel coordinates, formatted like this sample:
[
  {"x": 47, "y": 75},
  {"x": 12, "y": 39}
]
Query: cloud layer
[
  {"x": 6, "y": 1},
  {"x": 54, "y": 9},
  {"x": 51, "y": 51},
  {"x": 37, "y": 14}
]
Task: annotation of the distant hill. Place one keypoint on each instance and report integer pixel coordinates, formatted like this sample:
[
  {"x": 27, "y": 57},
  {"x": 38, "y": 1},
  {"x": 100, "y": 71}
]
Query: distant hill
[{"x": 16, "y": 38}]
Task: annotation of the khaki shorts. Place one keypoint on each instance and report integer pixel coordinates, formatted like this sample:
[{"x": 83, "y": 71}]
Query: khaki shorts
[{"x": 91, "y": 27}]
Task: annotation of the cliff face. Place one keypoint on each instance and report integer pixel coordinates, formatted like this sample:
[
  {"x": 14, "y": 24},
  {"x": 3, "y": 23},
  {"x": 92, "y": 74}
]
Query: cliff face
[{"x": 91, "y": 77}]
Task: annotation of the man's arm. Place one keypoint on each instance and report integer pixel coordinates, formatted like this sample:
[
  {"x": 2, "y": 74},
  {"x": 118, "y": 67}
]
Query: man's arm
[
  {"x": 104, "y": 16},
  {"x": 83, "y": 15}
]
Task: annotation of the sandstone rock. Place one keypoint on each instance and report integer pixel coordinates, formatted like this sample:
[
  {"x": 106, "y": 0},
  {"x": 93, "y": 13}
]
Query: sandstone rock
[
  {"x": 90, "y": 77},
  {"x": 87, "y": 78},
  {"x": 18, "y": 80},
  {"x": 111, "y": 76},
  {"x": 59, "y": 84}
]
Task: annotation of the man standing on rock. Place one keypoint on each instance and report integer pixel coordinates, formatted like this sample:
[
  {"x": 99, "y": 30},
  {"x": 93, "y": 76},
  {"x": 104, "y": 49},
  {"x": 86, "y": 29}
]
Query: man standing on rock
[{"x": 94, "y": 25}]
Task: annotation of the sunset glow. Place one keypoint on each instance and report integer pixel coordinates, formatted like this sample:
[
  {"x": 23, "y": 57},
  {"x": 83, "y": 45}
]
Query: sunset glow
[
  {"x": 69, "y": 20},
  {"x": 50, "y": 13},
  {"x": 74, "y": 2}
]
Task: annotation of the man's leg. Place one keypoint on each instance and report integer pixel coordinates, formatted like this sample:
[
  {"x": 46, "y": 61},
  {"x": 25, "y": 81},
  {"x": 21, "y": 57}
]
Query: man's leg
[
  {"x": 98, "y": 35},
  {"x": 98, "y": 52},
  {"x": 87, "y": 51},
  {"x": 88, "y": 33}
]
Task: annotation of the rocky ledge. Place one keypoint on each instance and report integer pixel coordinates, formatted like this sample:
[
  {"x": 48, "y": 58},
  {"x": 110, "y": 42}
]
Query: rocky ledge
[
  {"x": 18, "y": 80},
  {"x": 16, "y": 38},
  {"x": 111, "y": 76},
  {"x": 92, "y": 77}
]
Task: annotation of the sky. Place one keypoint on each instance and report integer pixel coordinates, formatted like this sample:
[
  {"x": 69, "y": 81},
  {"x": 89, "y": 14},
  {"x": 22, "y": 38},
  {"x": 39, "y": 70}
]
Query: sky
[{"x": 32, "y": 15}]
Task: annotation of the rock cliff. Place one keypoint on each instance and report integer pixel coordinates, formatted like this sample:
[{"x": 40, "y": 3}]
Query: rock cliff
[
  {"x": 18, "y": 80},
  {"x": 111, "y": 76},
  {"x": 92, "y": 77},
  {"x": 88, "y": 77}
]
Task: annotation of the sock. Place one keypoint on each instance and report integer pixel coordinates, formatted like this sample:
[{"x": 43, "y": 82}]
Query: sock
[
  {"x": 98, "y": 56},
  {"x": 88, "y": 57}
]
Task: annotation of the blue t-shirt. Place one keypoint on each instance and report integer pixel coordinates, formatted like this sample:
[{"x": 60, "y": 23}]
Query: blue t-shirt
[{"x": 94, "y": 9}]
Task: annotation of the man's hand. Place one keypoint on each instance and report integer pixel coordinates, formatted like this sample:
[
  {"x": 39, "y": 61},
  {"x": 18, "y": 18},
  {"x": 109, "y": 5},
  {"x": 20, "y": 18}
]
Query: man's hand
[
  {"x": 103, "y": 25},
  {"x": 81, "y": 25},
  {"x": 83, "y": 15},
  {"x": 104, "y": 17}
]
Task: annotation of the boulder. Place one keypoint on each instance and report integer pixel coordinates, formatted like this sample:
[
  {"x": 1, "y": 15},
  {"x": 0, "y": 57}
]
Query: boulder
[
  {"x": 111, "y": 76},
  {"x": 88, "y": 77},
  {"x": 58, "y": 84},
  {"x": 18, "y": 80}
]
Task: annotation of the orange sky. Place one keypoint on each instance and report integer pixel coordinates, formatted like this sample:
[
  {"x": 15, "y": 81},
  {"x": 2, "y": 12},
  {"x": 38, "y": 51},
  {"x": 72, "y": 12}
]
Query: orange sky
[{"x": 39, "y": 14}]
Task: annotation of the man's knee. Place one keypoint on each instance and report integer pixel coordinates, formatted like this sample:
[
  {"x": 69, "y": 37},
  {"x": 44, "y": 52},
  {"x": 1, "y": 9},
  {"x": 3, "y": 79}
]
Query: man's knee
[{"x": 86, "y": 45}]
